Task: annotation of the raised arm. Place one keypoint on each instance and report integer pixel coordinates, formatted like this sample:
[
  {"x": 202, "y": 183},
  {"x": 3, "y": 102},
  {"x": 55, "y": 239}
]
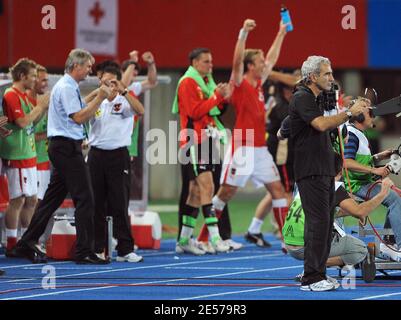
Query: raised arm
[
  {"x": 239, "y": 51},
  {"x": 128, "y": 73},
  {"x": 274, "y": 51},
  {"x": 286, "y": 78},
  {"x": 151, "y": 80}
]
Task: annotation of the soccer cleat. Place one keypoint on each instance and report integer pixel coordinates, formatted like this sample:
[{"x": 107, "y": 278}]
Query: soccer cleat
[
  {"x": 233, "y": 244},
  {"x": 206, "y": 246},
  {"x": 190, "y": 247},
  {"x": 257, "y": 238},
  {"x": 178, "y": 249},
  {"x": 323, "y": 285},
  {"x": 130, "y": 257},
  {"x": 220, "y": 246}
]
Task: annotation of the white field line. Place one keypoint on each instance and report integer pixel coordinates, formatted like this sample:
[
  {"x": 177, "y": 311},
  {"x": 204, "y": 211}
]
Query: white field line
[
  {"x": 231, "y": 292},
  {"x": 152, "y": 282}
]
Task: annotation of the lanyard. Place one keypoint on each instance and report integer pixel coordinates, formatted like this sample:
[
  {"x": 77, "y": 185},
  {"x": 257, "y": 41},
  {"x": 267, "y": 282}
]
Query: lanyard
[{"x": 85, "y": 124}]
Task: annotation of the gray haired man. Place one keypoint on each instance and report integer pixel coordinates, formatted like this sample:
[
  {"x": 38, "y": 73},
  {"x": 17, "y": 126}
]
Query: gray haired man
[
  {"x": 67, "y": 114},
  {"x": 314, "y": 166}
]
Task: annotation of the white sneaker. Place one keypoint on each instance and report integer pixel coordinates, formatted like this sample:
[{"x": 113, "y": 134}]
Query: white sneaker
[
  {"x": 333, "y": 281},
  {"x": 189, "y": 248},
  {"x": 390, "y": 252},
  {"x": 130, "y": 257},
  {"x": 206, "y": 246},
  {"x": 232, "y": 244},
  {"x": 322, "y": 285},
  {"x": 178, "y": 249},
  {"x": 101, "y": 255},
  {"x": 220, "y": 246}
]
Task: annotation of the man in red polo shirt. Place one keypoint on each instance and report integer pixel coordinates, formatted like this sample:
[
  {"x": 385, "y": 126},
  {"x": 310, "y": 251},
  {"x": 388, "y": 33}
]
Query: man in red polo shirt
[
  {"x": 18, "y": 149},
  {"x": 248, "y": 157}
]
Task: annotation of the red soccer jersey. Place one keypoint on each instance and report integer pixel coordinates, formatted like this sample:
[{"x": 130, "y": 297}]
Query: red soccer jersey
[
  {"x": 194, "y": 109},
  {"x": 12, "y": 105},
  {"x": 249, "y": 104}
]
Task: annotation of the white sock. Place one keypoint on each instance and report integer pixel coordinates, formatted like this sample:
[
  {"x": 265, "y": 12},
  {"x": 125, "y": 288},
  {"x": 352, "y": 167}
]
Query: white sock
[
  {"x": 213, "y": 232},
  {"x": 11, "y": 233},
  {"x": 256, "y": 226},
  {"x": 279, "y": 203},
  {"x": 218, "y": 204},
  {"x": 185, "y": 235}
]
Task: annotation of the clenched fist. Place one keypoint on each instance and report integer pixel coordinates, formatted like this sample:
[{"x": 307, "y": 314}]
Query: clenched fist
[{"x": 249, "y": 25}]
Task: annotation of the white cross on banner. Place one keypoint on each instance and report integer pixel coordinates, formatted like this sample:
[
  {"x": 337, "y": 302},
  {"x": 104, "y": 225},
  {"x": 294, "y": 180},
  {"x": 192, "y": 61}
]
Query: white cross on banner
[{"x": 96, "y": 26}]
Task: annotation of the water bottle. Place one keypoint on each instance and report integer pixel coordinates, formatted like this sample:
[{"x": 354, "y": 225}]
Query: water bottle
[{"x": 285, "y": 17}]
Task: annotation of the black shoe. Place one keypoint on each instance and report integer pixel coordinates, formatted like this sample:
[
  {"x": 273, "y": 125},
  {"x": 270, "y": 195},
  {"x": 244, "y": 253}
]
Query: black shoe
[
  {"x": 257, "y": 238},
  {"x": 30, "y": 251},
  {"x": 2, "y": 272},
  {"x": 11, "y": 253},
  {"x": 91, "y": 259}
]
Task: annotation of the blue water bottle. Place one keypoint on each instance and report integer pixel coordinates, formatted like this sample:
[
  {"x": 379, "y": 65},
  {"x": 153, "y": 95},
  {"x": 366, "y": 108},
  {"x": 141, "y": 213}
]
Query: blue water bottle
[{"x": 285, "y": 17}]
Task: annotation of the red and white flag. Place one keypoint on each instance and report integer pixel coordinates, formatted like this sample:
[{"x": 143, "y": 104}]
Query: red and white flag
[{"x": 96, "y": 26}]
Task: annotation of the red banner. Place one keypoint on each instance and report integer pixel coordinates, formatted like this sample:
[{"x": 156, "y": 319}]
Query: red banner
[{"x": 170, "y": 29}]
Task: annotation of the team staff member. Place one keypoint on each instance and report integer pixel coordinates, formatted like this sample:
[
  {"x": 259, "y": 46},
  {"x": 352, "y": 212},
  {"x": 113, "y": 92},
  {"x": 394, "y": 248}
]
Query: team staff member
[
  {"x": 18, "y": 149},
  {"x": 108, "y": 160},
  {"x": 197, "y": 102},
  {"x": 314, "y": 165},
  {"x": 250, "y": 70},
  {"x": 66, "y": 117}
]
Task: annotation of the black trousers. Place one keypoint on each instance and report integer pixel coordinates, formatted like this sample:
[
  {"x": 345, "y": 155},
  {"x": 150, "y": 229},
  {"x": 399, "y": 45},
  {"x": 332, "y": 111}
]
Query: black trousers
[
  {"x": 224, "y": 223},
  {"x": 69, "y": 175},
  {"x": 111, "y": 176},
  {"x": 317, "y": 196}
]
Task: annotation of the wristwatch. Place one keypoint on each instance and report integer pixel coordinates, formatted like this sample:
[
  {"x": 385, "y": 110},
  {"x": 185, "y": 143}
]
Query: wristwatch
[{"x": 349, "y": 114}]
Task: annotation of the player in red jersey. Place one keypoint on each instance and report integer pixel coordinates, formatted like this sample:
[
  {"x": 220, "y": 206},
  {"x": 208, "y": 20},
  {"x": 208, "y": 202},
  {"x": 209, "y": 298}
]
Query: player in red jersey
[{"x": 248, "y": 157}]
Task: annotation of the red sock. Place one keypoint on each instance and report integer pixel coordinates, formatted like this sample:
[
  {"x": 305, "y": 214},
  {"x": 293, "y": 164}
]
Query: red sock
[
  {"x": 204, "y": 233},
  {"x": 280, "y": 214},
  {"x": 11, "y": 242}
]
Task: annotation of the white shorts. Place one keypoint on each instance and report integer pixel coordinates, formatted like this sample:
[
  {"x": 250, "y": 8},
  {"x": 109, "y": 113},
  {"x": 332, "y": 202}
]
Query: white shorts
[
  {"x": 22, "y": 182},
  {"x": 43, "y": 182},
  {"x": 255, "y": 163}
]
